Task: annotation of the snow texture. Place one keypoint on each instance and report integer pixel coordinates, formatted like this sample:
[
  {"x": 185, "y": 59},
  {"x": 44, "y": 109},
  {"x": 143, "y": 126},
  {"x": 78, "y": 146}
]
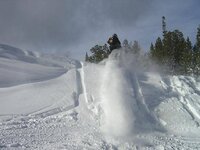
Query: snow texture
[{"x": 53, "y": 102}]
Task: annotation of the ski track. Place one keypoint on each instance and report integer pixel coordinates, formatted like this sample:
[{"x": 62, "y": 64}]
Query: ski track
[
  {"x": 75, "y": 96},
  {"x": 141, "y": 100},
  {"x": 82, "y": 77},
  {"x": 51, "y": 129},
  {"x": 51, "y": 125},
  {"x": 139, "y": 95},
  {"x": 54, "y": 111},
  {"x": 185, "y": 103}
]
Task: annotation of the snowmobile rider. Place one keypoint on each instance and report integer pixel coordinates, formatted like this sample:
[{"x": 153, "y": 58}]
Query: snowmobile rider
[{"x": 114, "y": 42}]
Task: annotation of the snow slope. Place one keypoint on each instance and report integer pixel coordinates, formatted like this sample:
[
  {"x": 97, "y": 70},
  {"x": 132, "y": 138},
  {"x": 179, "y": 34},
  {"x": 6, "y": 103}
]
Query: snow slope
[
  {"x": 117, "y": 104},
  {"x": 20, "y": 67}
]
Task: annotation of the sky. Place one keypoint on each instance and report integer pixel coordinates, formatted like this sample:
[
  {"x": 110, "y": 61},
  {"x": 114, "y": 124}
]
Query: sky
[{"x": 74, "y": 26}]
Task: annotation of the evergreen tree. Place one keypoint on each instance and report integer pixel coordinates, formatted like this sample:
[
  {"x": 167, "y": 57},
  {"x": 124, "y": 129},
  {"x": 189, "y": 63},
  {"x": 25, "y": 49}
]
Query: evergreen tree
[
  {"x": 167, "y": 49},
  {"x": 177, "y": 53},
  {"x": 152, "y": 51},
  {"x": 196, "y": 54},
  {"x": 86, "y": 57},
  {"x": 157, "y": 51},
  {"x": 98, "y": 53},
  {"x": 173, "y": 52},
  {"x": 186, "y": 59},
  {"x": 126, "y": 45},
  {"x": 179, "y": 45},
  {"x": 136, "y": 48},
  {"x": 198, "y": 38},
  {"x": 173, "y": 46},
  {"x": 152, "y": 47},
  {"x": 164, "y": 26}
]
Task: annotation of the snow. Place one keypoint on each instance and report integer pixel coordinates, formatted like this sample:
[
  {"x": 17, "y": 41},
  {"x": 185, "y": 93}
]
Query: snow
[
  {"x": 118, "y": 100},
  {"x": 14, "y": 72},
  {"x": 54, "y": 102},
  {"x": 20, "y": 67}
]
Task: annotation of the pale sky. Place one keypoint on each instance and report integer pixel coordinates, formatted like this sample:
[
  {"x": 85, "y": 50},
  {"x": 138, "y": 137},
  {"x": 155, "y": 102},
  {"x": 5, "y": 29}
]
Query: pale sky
[{"x": 75, "y": 26}]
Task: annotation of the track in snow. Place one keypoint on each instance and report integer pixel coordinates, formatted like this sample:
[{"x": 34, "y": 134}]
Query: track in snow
[
  {"x": 82, "y": 81},
  {"x": 75, "y": 96}
]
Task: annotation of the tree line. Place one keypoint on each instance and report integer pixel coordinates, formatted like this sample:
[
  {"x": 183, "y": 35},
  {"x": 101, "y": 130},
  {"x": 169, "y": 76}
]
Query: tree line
[
  {"x": 99, "y": 53},
  {"x": 173, "y": 52}
]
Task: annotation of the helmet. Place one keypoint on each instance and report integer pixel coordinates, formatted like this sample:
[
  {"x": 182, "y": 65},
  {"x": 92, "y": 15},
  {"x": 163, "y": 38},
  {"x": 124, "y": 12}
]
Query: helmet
[{"x": 114, "y": 35}]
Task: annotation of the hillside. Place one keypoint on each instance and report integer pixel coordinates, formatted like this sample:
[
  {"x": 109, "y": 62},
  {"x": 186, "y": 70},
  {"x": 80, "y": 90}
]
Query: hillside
[
  {"x": 117, "y": 104},
  {"x": 20, "y": 66}
]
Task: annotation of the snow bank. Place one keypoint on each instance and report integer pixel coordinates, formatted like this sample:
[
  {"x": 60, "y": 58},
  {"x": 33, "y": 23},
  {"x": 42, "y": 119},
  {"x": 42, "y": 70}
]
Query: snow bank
[
  {"x": 47, "y": 97},
  {"x": 34, "y": 83}
]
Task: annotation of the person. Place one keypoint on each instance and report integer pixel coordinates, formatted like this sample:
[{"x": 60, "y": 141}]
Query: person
[{"x": 114, "y": 42}]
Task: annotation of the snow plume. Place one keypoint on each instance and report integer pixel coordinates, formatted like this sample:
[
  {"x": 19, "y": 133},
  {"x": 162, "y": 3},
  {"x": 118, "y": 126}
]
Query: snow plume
[
  {"x": 124, "y": 108},
  {"x": 117, "y": 104}
]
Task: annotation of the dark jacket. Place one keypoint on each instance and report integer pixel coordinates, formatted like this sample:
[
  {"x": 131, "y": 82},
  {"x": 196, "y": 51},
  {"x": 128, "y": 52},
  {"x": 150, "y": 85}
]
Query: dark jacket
[{"x": 114, "y": 42}]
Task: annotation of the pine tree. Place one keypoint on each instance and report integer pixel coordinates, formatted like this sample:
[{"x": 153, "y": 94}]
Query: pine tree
[
  {"x": 125, "y": 43},
  {"x": 173, "y": 46},
  {"x": 167, "y": 49},
  {"x": 186, "y": 58},
  {"x": 196, "y": 54},
  {"x": 158, "y": 51},
  {"x": 98, "y": 53},
  {"x": 86, "y": 57},
  {"x": 175, "y": 52},
  {"x": 164, "y": 26},
  {"x": 179, "y": 45},
  {"x": 152, "y": 47},
  {"x": 159, "y": 47},
  {"x": 136, "y": 47},
  {"x": 198, "y": 38},
  {"x": 152, "y": 51}
]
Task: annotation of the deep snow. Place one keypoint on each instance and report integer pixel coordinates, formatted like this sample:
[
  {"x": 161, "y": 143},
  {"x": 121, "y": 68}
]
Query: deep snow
[{"x": 57, "y": 103}]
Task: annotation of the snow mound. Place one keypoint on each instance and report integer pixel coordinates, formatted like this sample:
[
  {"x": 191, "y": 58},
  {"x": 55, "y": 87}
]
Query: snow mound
[
  {"x": 43, "y": 98},
  {"x": 19, "y": 66}
]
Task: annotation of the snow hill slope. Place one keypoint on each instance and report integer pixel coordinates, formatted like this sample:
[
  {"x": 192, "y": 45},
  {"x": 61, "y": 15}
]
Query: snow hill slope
[
  {"x": 118, "y": 104},
  {"x": 19, "y": 66}
]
